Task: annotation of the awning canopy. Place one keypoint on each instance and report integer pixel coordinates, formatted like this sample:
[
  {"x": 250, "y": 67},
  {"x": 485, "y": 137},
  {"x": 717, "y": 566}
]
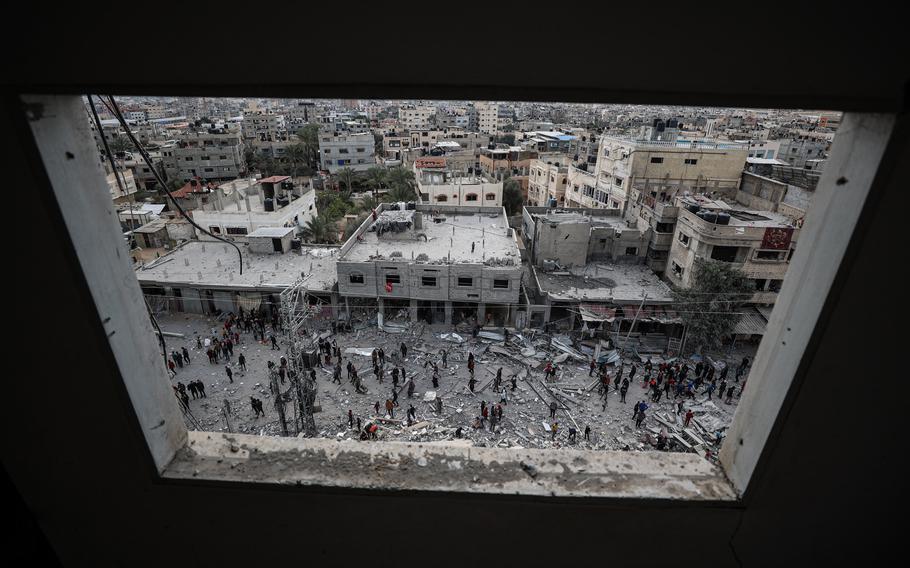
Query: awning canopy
[
  {"x": 249, "y": 301},
  {"x": 750, "y": 323},
  {"x": 595, "y": 312}
]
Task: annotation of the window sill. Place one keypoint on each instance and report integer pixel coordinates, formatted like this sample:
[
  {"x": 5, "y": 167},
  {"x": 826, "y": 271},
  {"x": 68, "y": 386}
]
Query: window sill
[{"x": 448, "y": 467}]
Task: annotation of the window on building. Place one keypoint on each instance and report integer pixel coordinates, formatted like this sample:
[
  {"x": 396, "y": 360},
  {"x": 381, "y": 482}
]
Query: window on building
[
  {"x": 490, "y": 197},
  {"x": 774, "y": 285},
  {"x": 188, "y": 158},
  {"x": 631, "y": 251},
  {"x": 677, "y": 269},
  {"x": 724, "y": 254},
  {"x": 214, "y": 230},
  {"x": 657, "y": 160},
  {"x": 664, "y": 227},
  {"x": 760, "y": 284},
  {"x": 235, "y": 230},
  {"x": 343, "y": 151},
  {"x": 465, "y": 281},
  {"x": 209, "y": 169},
  {"x": 691, "y": 161},
  {"x": 470, "y": 197},
  {"x": 356, "y": 278},
  {"x": 684, "y": 239},
  {"x": 393, "y": 279},
  {"x": 770, "y": 254},
  {"x": 501, "y": 283},
  {"x": 428, "y": 281},
  {"x": 617, "y": 181}
]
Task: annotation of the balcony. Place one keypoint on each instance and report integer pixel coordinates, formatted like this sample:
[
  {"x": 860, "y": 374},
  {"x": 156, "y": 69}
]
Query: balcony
[{"x": 661, "y": 241}]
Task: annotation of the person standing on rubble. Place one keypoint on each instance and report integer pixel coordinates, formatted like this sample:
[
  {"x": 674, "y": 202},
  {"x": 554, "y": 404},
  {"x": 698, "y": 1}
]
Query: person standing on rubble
[
  {"x": 587, "y": 433},
  {"x": 553, "y": 428},
  {"x": 439, "y": 404},
  {"x": 404, "y": 350},
  {"x": 592, "y": 366},
  {"x": 445, "y": 362},
  {"x": 375, "y": 356},
  {"x": 471, "y": 382},
  {"x": 230, "y": 373},
  {"x": 571, "y": 435},
  {"x": 395, "y": 397},
  {"x": 186, "y": 355},
  {"x": 390, "y": 407},
  {"x": 689, "y": 415},
  {"x": 632, "y": 373},
  {"x": 274, "y": 341},
  {"x": 336, "y": 376},
  {"x": 381, "y": 357},
  {"x": 435, "y": 379},
  {"x": 553, "y": 408},
  {"x": 410, "y": 388},
  {"x": 623, "y": 390},
  {"x": 514, "y": 383}
]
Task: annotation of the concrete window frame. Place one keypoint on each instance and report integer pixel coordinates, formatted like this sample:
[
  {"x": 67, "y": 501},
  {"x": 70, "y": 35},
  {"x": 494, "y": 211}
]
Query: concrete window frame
[{"x": 77, "y": 183}]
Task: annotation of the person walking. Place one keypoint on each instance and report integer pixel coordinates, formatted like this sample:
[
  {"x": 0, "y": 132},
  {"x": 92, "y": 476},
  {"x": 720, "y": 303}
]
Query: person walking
[
  {"x": 514, "y": 382},
  {"x": 200, "y": 386},
  {"x": 242, "y": 361},
  {"x": 445, "y": 363},
  {"x": 623, "y": 390},
  {"x": 592, "y": 367},
  {"x": 410, "y": 388},
  {"x": 553, "y": 428},
  {"x": 553, "y": 408},
  {"x": 404, "y": 350},
  {"x": 390, "y": 407},
  {"x": 471, "y": 382},
  {"x": 274, "y": 341},
  {"x": 689, "y": 415},
  {"x": 230, "y": 373},
  {"x": 171, "y": 367},
  {"x": 186, "y": 355},
  {"x": 350, "y": 418},
  {"x": 587, "y": 433},
  {"x": 571, "y": 435}
]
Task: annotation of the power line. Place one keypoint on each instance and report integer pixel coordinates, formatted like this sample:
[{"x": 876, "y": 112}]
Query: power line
[{"x": 116, "y": 111}]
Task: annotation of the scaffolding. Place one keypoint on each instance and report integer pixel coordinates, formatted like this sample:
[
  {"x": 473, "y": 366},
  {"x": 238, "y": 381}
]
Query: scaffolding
[{"x": 295, "y": 310}]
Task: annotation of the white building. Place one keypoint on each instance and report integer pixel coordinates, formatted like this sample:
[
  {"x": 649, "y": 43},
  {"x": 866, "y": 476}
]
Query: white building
[
  {"x": 487, "y": 118},
  {"x": 238, "y": 208},
  {"x": 416, "y": 117},
  {"x": 438, "y": 185},
  {"x": 339, "y": 150}
]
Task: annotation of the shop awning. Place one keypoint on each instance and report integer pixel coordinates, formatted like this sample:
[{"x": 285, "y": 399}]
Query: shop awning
[
  {"x": 594, "y": 312},
  {"x": 751, "y": 323},
  {"x": 249, "y": 301}
]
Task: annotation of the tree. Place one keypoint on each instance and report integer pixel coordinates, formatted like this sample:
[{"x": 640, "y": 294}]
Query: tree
[
  {"x": 296, "y": 156},
  {"x": 368, "y": 204},
  {"x": 119, "y": 144},
  {"x": 320, "y": 229},
  {"x": 376, "y": 177},
  {"x": 512, "y": 197},
  {"x": 346, "y": 176},
  {"x": 709, "y": 305},
  {"x": 400, "y": 176},
  {"x": 309, "y": 139},
  {"x": 400, "y": 193}
]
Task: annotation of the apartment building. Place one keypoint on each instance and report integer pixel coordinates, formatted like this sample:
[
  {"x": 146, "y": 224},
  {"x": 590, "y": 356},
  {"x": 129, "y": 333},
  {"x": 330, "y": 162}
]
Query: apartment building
[
  {"x": 487, "y": 118},
  {"x": 547, "y": 181},
  {"x": 508, "y": 160},
  {"x": 347, "y": 150},
  {"x": 416, "y": 117},
  {"x": 441, "y": 263},
  {"x": 626, "y": 164},
  {"x": 215, "y": 154},
  {"x": 760, "y": 243},
  {"x": 799, "y": 150},
  {"x": 440, "y": 184}
]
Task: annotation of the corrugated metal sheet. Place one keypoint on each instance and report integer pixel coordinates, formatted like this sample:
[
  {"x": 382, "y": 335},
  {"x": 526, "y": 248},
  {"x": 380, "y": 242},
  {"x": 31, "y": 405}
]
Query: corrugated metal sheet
[{"x": 751, "y": 323}]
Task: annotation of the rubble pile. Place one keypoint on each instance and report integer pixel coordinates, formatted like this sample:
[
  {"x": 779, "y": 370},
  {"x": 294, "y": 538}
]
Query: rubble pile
[{"x": 451, "y": 412}]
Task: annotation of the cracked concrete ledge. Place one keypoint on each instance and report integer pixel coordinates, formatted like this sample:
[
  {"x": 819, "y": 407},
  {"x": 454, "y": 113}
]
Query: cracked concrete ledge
[{"x": 448, "y": 467}]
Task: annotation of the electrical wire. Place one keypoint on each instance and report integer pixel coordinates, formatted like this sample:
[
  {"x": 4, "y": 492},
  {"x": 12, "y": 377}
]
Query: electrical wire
[{"x": 115, "y": 109}]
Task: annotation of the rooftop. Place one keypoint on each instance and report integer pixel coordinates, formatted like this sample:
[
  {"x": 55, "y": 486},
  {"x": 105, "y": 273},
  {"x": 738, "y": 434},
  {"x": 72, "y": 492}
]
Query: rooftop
[
  {"x": 739, "y": 217},
  {"x": 603, "y": 282},
  {"x": 216, "y": 265},
  {"x": 449, "y": 238},
  {"x": 272, "y": 232}
]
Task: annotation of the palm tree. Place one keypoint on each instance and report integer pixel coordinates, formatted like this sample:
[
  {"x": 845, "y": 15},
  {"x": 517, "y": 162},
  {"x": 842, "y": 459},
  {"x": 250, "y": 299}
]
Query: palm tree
[
  {"x": 320, "y": 230},
  {"x": 346, "y": 176},
  {"x": 376, "y": 176},
  {"x": 400, "y": 193},
  {"x": 295, "y": 155},
  {"x": 309, "y": 139},
  {"x": 399, "y": 176},
  {"x": 368, "y": 203}
]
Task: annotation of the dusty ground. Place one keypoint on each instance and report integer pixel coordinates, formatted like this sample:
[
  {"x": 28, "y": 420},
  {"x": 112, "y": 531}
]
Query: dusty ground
[{"x": 524, "y": 414}]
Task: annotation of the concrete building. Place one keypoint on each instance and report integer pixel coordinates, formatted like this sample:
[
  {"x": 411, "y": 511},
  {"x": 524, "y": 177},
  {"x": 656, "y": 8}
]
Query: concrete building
[
  {"x": 625, "y": 165},
  {"x": 437, "y": 183},
  {"x": 546, "y": 141},
  {"x": 215, "y": 154},
  {"x": 266, "y": 132},
  {"x": 768, "y": 149},
  {"x": 239, "y": 208},
  {"x": 394, "y": 143},
  {"x": 126, "y": 180},
  {"x": 340, "y": 150},
  {"x": 487, "y": 118},
  {"x": 586, "y": 268},
  {"x": 760, "y": 243},
  {"x": 547, "y": 180},
  {"x": 511, "y": 160},
  {"x": 797, "y": 151},
  {"x": 441, "y": 263},
  {"x": 416, "y": 117},
  {"x": 204, "y": 277}
]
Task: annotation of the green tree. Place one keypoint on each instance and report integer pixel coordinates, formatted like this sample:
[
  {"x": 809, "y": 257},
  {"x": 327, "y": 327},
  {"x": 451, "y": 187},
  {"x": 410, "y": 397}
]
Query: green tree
[
  {"x": 400, "y": 176},
  {"x": 368, "y": 204},
  {"x": 119, "y": 144},
  {"x": 309, "y": 139},
  {"x": 296, "y": 156},
  {"x": 174, "y": 184},
  {"x": 376, "y": 177},
  {"x": 512, "y": 198},
  {"x": 320, "y": 229},
  {"x": 709, "y": 305},
  {"x": 346, "y": 176}
]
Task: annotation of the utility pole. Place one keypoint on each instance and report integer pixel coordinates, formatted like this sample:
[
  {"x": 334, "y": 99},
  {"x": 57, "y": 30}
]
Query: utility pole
[
  {"x": 634, "y": 319},
  {"x": 279, "y": 400},
  {"x": 295, "y": 310}
]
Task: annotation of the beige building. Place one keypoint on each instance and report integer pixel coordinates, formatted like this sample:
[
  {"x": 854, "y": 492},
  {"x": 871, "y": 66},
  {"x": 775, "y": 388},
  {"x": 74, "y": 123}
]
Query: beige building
[
  {"x": 625, "y": 165},
  {"x": 438, "y": 184},
  {"x": 487, "y": 118},
  {"x": 759, "y": 243},
  {"x": 548, "y": 178},
  {"x": 416, "y": 117}
]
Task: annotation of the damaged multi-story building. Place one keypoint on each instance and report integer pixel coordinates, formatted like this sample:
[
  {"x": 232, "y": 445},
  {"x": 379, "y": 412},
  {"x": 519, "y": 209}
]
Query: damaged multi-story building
[{"x": 442, "y": 264}]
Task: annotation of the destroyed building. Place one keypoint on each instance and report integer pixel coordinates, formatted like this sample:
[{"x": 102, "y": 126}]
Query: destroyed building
[
  {"x": 437, "y": 262},
  {"x": 204, "y": 277}
]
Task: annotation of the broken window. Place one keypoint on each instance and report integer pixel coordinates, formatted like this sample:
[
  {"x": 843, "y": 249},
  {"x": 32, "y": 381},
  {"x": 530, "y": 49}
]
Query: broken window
[
  {"x": 631, "y": 251},
  {"x": 500, "y": 283},
  {"x": 769, "y": 254},
  {"x": 684, "y": 239},
  {"x": 355, "y": 278},
  {"x": 774, "y": 285},
  {"x": 215, "y": 229},
  {"x": 677, "y": 269},
  {"x": 465, "y": 281},
  {"x": 724, "y": 254}
]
